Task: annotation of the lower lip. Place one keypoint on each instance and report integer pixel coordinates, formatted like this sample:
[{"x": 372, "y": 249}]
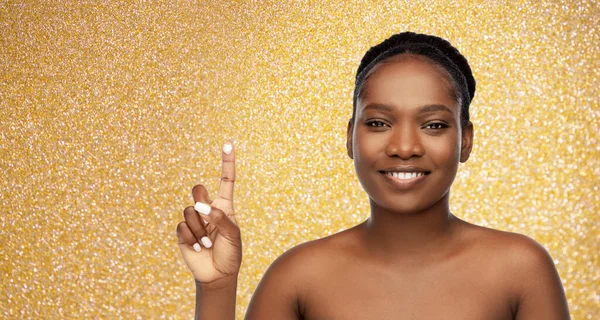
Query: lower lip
[{"x": 403, "y": 183}]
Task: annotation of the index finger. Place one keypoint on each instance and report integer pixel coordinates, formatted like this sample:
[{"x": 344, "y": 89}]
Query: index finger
[{"x": 228, "y": 172}]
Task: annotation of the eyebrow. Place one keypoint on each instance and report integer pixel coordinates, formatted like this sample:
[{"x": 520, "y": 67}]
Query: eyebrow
[
  {"x": 378, "y": 107},
  {"x": 428, "y": 108},
  {"x": 431, "y": 108}
]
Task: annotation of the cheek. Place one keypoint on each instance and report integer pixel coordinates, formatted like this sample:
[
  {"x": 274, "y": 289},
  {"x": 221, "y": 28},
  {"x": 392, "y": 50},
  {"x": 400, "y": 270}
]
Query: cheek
[
  {"x": 366, "y": 146},
  {"x": 446, "y": 152}
]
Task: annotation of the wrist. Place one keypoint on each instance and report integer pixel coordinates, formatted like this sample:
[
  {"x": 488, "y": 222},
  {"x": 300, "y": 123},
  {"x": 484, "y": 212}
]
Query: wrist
[
  {"x": 227, "y": 282},
  {"x": 215, "y": 300}
]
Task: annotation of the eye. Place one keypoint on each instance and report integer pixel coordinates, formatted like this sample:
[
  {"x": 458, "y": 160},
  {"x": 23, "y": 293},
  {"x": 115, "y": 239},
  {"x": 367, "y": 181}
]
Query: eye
[
  {"x": 375, "y": 123},
  {"x": 436, "y": 126}
]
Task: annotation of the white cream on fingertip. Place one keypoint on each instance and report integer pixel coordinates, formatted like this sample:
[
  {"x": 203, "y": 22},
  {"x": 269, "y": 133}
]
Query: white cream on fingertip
[
  {"x": 206, "y": 242},
  {"x": 197, "y": 247},
  {"x": 202, "y": 208},
  {"x": 227, "y": 148}
]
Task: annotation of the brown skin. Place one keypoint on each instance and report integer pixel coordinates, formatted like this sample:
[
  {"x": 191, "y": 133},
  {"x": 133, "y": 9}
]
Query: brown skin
[
  {"x": 412, "y": 259},
  {"x": 215, "y": 269}
]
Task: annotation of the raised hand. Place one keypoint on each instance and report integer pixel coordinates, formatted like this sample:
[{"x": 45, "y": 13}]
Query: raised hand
[{"x": 209, "y": 238}]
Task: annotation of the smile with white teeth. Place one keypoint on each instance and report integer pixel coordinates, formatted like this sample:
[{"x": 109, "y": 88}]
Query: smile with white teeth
[{"x": 405, "y": 175}]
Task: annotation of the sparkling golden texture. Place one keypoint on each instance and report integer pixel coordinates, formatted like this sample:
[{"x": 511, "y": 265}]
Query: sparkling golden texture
[{"x": 111, "y": 112}]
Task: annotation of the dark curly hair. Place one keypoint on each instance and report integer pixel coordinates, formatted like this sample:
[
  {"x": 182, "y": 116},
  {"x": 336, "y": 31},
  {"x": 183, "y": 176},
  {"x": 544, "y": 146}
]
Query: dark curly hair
[{"x": 435, "y": 50}]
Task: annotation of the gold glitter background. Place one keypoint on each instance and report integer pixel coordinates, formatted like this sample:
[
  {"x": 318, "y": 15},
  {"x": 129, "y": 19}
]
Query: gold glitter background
[{"x": 111, "y": 112}]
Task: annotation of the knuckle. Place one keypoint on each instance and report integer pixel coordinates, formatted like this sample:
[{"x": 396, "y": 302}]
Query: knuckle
[
  {"x": 236, "y": 232},
  {"x": 188, "y": 211},
  {"x": 198, "y": 188},
  {"x": 180, "y": 226},
  {"x": 196, "y": 228}
]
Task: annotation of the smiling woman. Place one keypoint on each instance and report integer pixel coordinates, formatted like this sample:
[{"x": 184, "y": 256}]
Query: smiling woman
[
  {"x": 412, "y": 258},
  {"x": 420, "y": 131}
]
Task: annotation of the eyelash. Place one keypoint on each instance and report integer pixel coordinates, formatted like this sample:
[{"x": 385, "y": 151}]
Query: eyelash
[
  {"x": 379, "y": 124},
  {"x": 440, "y": 124},
  {"x": 372, "y": 122}
]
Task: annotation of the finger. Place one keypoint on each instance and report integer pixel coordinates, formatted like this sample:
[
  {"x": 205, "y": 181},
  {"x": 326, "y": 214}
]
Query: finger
[
  {"x": 228, "y": 172},
  {"x": 200, "y": 194},
  {"x": 219, "y": 219},
  {"x": 192, "y": 219},
  {"x": 185, "y": 236}
]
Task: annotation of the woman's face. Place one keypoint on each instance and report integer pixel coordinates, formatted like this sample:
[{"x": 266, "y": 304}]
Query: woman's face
[{"x": 406, "y": 140}]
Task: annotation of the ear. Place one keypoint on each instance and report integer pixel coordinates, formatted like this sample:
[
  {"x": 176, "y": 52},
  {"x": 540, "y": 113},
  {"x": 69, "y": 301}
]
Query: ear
[
  {"x": 349, "y": 139},
  {"x": 467, "y": 142}
]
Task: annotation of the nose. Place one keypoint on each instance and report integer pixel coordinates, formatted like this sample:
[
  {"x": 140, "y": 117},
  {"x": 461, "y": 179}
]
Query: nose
[{"x": 404, "y": 142}]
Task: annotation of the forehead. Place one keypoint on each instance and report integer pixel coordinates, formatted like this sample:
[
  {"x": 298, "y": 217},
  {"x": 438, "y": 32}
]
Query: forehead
[{"x": 407, "y": 80}]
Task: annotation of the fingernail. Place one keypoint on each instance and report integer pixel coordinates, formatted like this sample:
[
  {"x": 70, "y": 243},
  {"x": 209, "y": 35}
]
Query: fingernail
[
  {"x": 227, "y": 148},
  {"x": 197, "y": 247},
  {"x": 206, "y": 242},
  {"x": 202, "y": 208}
]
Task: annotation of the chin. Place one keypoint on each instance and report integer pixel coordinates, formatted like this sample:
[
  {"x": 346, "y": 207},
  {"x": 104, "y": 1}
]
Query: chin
[
  {"x": 411, "y": 198},
  {"x": 406, "y": 204}
]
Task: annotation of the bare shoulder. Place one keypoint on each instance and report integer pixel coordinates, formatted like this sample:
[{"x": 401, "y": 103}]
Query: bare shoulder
[
  {"x": 525, "y": 269},
  {"x": 291, "y": 276},
  {"x": 511, "y": 249},
  {"x": 313, "y": 257}
]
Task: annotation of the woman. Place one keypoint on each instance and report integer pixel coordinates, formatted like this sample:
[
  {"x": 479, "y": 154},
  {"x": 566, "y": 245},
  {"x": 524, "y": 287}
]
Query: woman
[{"x": 412, "y": 259}]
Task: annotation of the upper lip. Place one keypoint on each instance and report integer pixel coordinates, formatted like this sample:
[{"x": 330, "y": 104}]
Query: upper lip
[{"x": 405, "y": 169}]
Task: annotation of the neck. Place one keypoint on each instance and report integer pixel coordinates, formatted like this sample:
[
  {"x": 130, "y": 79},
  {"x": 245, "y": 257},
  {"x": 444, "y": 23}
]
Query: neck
[{"x": 399, "y": 234}]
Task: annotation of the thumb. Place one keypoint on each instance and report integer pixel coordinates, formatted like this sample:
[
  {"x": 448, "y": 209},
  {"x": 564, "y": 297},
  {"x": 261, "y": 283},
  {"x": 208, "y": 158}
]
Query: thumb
[{"x": 219, "y": 219}]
